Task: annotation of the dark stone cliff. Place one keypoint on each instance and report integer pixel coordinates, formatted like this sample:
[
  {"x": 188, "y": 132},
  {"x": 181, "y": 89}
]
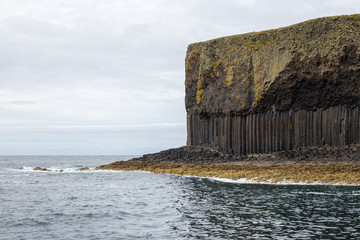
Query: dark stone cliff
[{"x": 278, "y": 89}]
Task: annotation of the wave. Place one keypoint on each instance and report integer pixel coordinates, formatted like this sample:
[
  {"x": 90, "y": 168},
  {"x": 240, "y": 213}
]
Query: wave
[
  {"x": 55, "y": 169},
  {"x": 353, "y": 193},
  {"x": 226, "y": 180},
  {"x": 252, "y": 181}
]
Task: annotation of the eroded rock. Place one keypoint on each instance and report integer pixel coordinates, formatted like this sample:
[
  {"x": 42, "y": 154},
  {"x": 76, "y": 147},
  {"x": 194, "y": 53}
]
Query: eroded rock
[
  {"x": 83, "y": 169},
  {"x": 276, "y": 90},
  {"x": 41, "y": 169},
  {"x": 314, "y": 64}
]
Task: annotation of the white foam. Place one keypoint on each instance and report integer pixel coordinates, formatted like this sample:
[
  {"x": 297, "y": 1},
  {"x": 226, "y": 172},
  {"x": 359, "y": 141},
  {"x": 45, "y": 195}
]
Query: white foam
[
  {"x": 227, "y": 180},
  {"x": 54, "y": 169},
  {"x": 254, "y": 181},
  {"x": 26, "y": 169},
  {"x": 109, "y": 170},
  {"x": 353, "y": 193},
  {"x": 321, "y": 193}
]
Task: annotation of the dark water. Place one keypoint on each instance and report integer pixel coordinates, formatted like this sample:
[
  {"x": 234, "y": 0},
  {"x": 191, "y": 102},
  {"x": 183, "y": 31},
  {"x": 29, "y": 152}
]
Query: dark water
[{"x": 138, "y": 205}]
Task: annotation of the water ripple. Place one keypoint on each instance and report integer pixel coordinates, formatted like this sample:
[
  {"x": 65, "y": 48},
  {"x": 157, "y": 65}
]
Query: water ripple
[{"x": 137, "y": 205}]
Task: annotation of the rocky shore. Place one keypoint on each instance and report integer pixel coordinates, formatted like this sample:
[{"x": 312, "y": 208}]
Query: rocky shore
[
  {"x": 214, "y": 154},
  {"x": 323, "y": 164},
  {"x": 271, "y": 106}
]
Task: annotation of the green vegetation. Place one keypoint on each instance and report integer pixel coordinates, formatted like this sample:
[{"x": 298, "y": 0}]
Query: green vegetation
[{"x": 225, "y": 62}]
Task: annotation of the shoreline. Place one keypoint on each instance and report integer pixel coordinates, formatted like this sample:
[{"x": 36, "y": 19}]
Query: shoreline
[
  {"x": 304, "y": 173},
  {"x": 320, "y": 165}
]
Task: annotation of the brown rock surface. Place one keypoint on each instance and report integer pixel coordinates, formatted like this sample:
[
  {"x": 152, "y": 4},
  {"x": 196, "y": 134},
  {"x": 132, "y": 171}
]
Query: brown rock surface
[
  {"x": 314, "y": 64},
  {"x": 275, "y": 90}
]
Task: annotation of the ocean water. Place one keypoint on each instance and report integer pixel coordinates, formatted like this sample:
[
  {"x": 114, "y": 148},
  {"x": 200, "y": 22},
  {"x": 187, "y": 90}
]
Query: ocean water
[{"x": 139, "y": 205}]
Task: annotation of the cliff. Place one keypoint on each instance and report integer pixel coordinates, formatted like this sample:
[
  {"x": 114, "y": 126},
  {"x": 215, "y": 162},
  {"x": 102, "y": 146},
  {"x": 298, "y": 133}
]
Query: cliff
[{"x": 277, "y": 89}]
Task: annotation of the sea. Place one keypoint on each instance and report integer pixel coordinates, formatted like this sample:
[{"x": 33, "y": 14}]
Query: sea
[{"x": 72, "y": 204}]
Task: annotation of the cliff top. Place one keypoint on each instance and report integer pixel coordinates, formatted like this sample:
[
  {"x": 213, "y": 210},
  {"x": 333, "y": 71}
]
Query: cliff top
[
  {"x": 306, "y": 65},
  {"x": 342, "y": 20}
]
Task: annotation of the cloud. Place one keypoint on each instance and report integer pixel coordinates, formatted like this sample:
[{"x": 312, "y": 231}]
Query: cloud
[
  {"x": 81, "y": 139},
  {"x": 111, "y": 63}
]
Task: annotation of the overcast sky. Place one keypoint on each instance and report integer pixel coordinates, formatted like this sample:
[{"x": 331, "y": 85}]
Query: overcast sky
[{"x": 107, "y": 76}]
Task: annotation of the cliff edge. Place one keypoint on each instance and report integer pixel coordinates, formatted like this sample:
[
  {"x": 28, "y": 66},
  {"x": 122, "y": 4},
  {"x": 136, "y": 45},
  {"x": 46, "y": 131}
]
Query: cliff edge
[
  {"x": 277, "y": 89},
  {"x": 273, "y": 106},
  {"x": 314, "y": 64}
]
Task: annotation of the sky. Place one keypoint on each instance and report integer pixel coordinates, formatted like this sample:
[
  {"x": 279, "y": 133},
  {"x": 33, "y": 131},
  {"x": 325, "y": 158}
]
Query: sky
[{"x": 106, "y": 77}]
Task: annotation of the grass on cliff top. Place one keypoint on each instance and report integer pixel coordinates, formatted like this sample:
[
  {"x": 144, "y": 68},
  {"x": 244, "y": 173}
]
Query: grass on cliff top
[
  {"x": 354, "y": 17},
  {"x": 330, "y": 173}
]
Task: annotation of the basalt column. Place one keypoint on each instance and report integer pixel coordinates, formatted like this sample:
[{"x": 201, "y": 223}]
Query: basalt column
[
  {"x": 275, "y": 131},
  {"x": 278, "y": 89}
]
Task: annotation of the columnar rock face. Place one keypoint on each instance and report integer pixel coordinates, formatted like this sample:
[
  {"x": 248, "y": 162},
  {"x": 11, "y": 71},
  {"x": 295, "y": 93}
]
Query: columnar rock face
[{"x": 277, "y": 89}]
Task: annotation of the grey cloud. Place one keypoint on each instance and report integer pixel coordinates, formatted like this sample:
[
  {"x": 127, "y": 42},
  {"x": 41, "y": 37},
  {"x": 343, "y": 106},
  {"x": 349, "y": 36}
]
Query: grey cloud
[
  {"x": 117, "y": 62},
  {"x": 22, "y": 102},
  {"x": 89, "y": 140}
]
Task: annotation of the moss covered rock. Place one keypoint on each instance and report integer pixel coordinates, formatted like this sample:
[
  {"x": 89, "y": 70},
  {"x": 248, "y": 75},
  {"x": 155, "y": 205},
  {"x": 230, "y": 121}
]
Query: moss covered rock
[
  {"x": 314, "y": 64},
  {"x": 41, "y": 169}
]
